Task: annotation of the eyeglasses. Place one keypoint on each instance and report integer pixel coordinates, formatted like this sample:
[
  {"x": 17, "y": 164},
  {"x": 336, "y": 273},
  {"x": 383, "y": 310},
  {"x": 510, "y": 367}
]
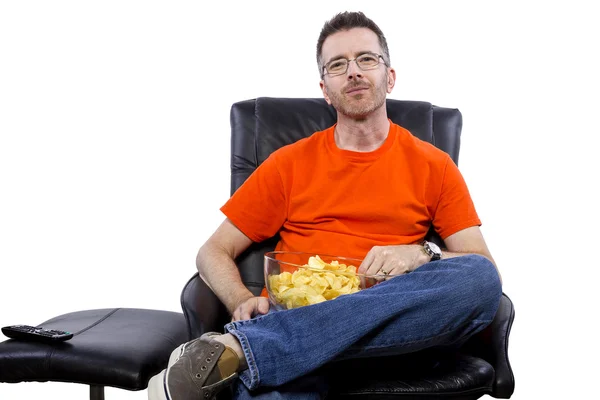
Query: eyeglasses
[{"x": 365, "y": 62}]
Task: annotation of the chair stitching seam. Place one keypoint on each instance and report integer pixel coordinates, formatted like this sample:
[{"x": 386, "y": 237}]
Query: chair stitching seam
[
  {"x": 256, "y": 133},
  {"x": 97, "y": 322},
  {"x": 432, "y": 124}
]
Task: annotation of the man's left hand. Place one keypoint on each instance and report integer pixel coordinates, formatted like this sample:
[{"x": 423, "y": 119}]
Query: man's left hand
[{"x": 393, "y": 260}]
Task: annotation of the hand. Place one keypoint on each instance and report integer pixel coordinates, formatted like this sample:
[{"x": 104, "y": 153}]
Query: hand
[
  {"x": 251, "y": 308},
  {"x": 393, "y": 260}
]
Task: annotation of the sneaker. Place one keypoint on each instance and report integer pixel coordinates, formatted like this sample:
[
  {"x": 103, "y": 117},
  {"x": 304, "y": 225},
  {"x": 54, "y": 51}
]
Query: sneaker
[{"x": 197, "y": 370}]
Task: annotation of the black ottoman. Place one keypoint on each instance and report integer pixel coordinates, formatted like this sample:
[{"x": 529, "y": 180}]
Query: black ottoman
[{"x": 119, "y": 347}]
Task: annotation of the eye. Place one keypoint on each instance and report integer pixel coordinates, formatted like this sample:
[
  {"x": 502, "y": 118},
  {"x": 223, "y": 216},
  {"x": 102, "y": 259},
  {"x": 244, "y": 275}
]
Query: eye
[
  {"x": 368, "y": 59},
  {"x": 336, "y": 65}
]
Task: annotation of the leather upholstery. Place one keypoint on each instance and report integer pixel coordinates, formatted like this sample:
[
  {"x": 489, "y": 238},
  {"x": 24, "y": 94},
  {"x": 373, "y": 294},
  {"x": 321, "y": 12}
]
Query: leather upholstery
[
  {"x": 202, "y": 309},
  {"x": 121, "y": 347},
  {"x": 415, "y": 375},
  {"x": 261, "y": 126},
  {"x": 492, "y": 345}
]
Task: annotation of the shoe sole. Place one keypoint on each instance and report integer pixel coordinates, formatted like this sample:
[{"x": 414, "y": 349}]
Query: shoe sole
[
  {"x": 156, "y": 390},
  {"x": 175, "y": 354},
  {"x": 157, "y": 387}
]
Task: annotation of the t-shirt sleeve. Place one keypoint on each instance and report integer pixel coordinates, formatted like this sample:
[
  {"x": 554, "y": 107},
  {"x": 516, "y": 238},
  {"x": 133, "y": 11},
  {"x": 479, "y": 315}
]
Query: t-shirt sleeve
[
  {"x": 259, "y": 207},
  {"x": 455, "y": 210}
]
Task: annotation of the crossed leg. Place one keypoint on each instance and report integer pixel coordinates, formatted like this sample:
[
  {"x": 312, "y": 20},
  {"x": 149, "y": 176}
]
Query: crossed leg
[{"x": 438, "y": 304}]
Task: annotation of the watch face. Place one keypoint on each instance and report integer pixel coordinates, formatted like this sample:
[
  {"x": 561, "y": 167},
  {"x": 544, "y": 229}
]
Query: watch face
[{"x": 434, "y": 247}]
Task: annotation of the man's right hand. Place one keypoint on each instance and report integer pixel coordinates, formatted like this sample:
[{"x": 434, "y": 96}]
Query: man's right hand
[{"x": 251, "y": 308}]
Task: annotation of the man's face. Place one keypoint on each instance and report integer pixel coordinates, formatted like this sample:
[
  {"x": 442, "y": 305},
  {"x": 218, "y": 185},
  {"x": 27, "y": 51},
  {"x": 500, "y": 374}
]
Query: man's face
[{"x": 356, "y": 93}]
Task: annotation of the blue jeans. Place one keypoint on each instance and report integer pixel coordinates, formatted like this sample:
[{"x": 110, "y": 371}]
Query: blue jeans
[{"x": 441, "y": 303}]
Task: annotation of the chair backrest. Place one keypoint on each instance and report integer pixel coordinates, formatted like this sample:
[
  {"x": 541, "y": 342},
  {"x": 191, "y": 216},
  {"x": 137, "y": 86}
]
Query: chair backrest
[{"x": 263, "y": 125}]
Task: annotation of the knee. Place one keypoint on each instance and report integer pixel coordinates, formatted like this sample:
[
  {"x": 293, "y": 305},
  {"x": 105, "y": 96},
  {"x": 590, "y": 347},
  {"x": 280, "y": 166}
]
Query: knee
[
  {"x": 479, "y": 267},
  {"x": 481, "y": 281}
]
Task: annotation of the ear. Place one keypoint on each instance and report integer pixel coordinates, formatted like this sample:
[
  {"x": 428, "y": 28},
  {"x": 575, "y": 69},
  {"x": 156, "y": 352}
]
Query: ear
[
  {"x": 391, "y": 79},
  {"x": 324, "y": 90}
]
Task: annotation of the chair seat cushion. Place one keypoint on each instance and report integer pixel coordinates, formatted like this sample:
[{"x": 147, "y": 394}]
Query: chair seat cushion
[
  {"x": 119, "y": 347},
  {"x": 453, "y": 376}
]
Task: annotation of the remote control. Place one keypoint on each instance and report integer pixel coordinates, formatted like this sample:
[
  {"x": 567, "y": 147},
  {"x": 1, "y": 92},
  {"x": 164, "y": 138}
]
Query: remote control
[{"x": 26, "y": 332}]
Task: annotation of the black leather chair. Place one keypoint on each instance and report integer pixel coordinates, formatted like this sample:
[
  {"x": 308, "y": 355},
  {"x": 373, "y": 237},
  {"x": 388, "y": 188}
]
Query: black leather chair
[
  {"x": 125, "y": 347},
  {"x": 479, "y": 367}
]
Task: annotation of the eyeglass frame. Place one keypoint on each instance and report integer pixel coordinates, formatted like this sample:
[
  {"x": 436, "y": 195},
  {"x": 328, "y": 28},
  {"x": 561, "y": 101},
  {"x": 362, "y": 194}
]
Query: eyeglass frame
[{"x": 323, "y": 68}]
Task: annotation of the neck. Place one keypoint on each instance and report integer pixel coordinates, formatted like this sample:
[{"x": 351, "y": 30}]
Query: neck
[{"x": 362, "y": 135}]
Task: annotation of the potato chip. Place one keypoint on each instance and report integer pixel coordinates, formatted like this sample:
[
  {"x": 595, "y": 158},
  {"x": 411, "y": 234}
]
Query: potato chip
[{"x": 314, "y": 282}]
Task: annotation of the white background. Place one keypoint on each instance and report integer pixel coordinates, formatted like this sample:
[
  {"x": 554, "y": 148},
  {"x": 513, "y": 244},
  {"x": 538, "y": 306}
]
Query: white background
[{"x": 114, "y": 151}]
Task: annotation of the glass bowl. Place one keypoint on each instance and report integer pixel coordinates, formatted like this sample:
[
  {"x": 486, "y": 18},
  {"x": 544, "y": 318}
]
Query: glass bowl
[{"x": 296, "y": 279}]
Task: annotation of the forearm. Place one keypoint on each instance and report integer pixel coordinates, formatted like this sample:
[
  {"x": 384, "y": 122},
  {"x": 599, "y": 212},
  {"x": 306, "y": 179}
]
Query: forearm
[
  {"x": 217, "y": 268},
  {"x": 451, "y": 254}
]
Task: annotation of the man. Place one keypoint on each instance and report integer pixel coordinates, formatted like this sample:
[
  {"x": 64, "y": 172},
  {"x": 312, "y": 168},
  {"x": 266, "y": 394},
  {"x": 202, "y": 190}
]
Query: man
[{"x": 389, "y": 189}]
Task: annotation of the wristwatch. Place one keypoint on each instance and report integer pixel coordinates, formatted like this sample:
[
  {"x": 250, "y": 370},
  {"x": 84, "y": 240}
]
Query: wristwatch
[{"x": 432, "y": 250}]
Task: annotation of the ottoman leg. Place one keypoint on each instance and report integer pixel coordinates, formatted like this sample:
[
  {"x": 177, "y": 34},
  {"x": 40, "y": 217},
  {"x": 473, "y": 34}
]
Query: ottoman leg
[{"x": 96, "y": 392}]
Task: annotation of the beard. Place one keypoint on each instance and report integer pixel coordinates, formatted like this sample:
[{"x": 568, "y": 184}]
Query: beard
[{"x": 359, "y": 106}]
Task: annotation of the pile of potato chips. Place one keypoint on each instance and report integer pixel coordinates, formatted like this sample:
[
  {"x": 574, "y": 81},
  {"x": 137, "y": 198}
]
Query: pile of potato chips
[{"x": 314, "y": 283}]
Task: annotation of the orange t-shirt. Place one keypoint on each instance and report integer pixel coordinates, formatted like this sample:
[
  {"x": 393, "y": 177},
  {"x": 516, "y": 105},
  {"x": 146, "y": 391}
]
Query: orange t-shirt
[{"x": 324, "y": 200}]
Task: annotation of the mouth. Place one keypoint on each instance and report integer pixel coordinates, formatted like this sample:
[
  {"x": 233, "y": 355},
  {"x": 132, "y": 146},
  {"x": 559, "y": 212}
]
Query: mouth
[{"x": 356, "y": 90}]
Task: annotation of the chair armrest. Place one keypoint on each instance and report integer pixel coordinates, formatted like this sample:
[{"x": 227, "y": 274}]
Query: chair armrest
[
  {"x": 491, "y": 344},
  {"x": 202, "y": 309}
]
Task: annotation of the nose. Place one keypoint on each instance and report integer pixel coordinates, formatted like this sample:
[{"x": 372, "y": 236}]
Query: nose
[{"x": 353, "y": 70}]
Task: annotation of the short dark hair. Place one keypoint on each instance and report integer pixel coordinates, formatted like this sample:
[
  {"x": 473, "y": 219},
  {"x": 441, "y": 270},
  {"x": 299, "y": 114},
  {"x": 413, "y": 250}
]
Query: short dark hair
[{"x": 346, "y": 21}]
